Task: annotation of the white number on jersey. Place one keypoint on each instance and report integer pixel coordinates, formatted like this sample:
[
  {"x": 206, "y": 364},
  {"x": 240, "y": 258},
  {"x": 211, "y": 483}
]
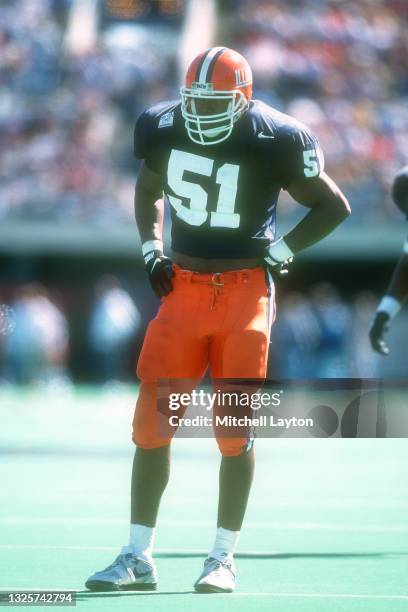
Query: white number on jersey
[
  {"x": 196, "y": 213},
  {"x": 311, "y": 161}
]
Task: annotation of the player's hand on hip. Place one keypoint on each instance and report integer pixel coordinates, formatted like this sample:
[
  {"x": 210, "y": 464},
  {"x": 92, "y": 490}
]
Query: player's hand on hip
[
  {"x": 160, "y": 271},
  {"x": 378, "y": 329},
  {"x": 278, "y": 257}
]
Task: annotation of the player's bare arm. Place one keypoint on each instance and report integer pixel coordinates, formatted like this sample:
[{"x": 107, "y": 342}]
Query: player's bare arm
[
  {"x": 398, "y": 287},
  {"x": 397, "y": 290},
  {"x": 328, "y": 208},
  {"x": 390, "y": 305},
  {"x": 149, "y": 206},
  {"x": 149, "y": 213}
]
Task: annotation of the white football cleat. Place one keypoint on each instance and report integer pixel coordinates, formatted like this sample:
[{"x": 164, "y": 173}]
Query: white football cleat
[
  {"x": 216, "y": 577},
  {"x": 127, "y": 573}
]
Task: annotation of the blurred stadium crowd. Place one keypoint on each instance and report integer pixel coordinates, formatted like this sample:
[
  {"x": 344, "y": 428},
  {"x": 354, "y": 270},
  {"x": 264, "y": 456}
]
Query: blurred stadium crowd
[
  {"x": 70, "y": 97},
  {"x": 35, "y": 335}
]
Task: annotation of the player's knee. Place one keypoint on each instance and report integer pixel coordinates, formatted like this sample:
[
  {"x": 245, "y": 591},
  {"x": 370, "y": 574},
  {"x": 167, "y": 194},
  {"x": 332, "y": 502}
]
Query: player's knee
[
  {"x": 234, "y": 447},
  {"x": 148, "y": 440},
  {"x": 145, "y": 372},
  {"x": 146, "y": 431},
  {"x": 146, "y": 420}
]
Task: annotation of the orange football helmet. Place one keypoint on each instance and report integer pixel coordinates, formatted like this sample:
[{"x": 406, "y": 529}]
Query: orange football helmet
[{"x": 217, "y": 91}]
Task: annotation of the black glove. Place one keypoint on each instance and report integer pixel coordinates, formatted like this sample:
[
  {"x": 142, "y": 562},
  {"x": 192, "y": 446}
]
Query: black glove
[
  {"x": 160, "y": 271},
  {"x": 378, "y": 329},
  {"x": 280, "y": 268}
]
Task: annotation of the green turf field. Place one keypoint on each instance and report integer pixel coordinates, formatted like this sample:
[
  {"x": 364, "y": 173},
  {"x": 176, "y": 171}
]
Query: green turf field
[{"x": 326, "y": 527}]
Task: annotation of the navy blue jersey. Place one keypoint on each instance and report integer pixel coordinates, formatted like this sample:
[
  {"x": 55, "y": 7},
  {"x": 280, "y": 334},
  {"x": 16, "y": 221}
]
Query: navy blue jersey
[{"x": 223, "y": 197}]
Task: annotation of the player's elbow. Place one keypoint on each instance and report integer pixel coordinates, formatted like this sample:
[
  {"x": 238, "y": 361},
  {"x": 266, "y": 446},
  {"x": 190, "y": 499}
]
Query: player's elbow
[
  {"x": 345, "y": 208},
  {"x": 340, "y": 207},
  {"x": 334, "y": 199}
]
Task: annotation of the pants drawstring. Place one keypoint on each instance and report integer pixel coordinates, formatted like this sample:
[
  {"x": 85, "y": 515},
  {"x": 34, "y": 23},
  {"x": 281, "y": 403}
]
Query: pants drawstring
[
  {"x": 216, "y": 284},
  {"x": 215, "y": 294}
]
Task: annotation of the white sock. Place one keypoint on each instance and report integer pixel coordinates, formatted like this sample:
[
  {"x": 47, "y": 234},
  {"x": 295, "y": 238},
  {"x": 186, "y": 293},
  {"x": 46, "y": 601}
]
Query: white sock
[
  {"x": 141, "y": 540},
  {"x": 225, "y": 543}
]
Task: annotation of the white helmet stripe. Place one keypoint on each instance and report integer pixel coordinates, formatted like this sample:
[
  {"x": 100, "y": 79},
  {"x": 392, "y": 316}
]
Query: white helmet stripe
[{"x": 206, "y": 63}]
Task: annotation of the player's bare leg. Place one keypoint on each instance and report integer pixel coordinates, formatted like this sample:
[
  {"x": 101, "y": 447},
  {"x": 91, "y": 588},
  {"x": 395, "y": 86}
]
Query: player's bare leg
[
  {"x": 236, "y": 474},
  {"x": 150, "y": 475},
  {"x": 134, "y": 568}
]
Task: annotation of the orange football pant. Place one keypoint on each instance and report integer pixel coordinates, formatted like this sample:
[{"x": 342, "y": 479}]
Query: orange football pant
[{"x": 220, "y": 320}]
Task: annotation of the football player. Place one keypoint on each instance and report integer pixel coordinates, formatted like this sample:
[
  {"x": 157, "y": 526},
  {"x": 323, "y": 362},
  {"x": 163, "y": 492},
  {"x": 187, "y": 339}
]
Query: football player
[
  {"x": 219, "y": 159},
  {"x": 397, "y": 290}
]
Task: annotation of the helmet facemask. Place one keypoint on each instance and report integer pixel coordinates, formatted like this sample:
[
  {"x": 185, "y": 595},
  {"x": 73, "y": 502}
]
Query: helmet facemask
[{"x": 205, "y": 127}]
